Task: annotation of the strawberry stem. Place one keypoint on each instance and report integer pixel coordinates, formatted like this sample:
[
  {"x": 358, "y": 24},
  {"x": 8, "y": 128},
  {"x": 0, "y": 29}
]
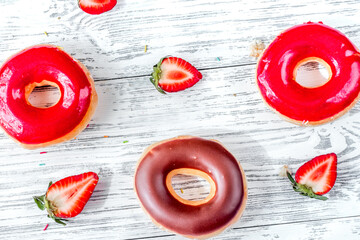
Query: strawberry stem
[
  {"x": 43, "y": 204},
  {"x": 156, "y": 75},
  {"x": 303, "y": 189}
]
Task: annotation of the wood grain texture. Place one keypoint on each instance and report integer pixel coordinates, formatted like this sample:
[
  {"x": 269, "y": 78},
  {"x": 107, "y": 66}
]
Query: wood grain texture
[
  {"x": 225, "y": 105},
  {"x": 112, "y": 45}
]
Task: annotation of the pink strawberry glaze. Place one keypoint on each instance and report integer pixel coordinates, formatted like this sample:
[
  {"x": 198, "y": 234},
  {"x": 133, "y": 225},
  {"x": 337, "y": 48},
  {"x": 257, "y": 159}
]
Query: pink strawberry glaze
[
  {"x": 276, "y": 81},
  {"x": 32, "y": 125}
]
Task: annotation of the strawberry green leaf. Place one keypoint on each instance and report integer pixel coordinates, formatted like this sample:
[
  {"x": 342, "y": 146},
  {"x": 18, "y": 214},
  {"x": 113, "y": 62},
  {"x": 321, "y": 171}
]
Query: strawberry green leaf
[
  {"x": 288, "y": 174},
  {"x": 60, "y": 221},
  {"x": 156, "y": 75},
  {"x": 39, "y": 200},
  {"x": 303, "y": 189},
  {"x": 57, "y": 219}
]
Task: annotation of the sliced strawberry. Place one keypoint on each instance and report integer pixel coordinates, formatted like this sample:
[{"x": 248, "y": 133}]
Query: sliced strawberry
[
  {"x": 97, "y": 6},
  {"x": 173, "y": 74},
  {"x": 316, "y": 177},
  {"x": 67, "y": 197}
]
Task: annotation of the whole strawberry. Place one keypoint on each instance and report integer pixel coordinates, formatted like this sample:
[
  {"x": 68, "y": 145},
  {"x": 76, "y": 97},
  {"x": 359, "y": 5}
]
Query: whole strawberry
[
  {"x": 67, "y": 197},
  {"x": 316, "y": 177},
  {"x": 172, "y": 74}
]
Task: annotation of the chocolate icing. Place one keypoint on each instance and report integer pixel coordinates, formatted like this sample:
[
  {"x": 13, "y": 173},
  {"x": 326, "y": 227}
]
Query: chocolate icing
[{"x": 195, "y": 153}]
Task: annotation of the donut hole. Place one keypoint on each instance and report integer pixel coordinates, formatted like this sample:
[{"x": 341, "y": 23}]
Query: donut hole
[
  {"x": 43, "y": 95},
  {"x": 190, "y": 186},
  {"x": 312, "y": 73}
]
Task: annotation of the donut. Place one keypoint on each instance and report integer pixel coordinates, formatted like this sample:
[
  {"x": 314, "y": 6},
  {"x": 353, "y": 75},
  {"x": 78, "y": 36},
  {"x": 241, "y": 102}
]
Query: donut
[
  {"x": 198, "y": 157},
  {"x": 278, "y": 65},
  {"x": 40, "y": 65}
]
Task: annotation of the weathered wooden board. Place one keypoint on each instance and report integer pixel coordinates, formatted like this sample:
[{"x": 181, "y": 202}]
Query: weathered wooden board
[
  {"x": 112, "y": 45},
  {"x": 254, "y": 134},
  {"x": 225, "y": 105}
]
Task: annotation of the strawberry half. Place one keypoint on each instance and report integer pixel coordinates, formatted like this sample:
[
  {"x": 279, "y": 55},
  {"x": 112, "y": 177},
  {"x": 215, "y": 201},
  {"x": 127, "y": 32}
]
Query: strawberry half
[
  {"x": 173, "y": 74},
  {"x": 67, "y": 197},
  {"x": 316, "y": 177},
  {"x": 97, "y": 6}
]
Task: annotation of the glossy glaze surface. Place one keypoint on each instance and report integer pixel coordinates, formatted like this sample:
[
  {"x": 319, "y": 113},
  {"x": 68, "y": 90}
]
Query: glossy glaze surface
[
  {"x": 31, "y": 125},
  {"x": 275, "y": 73},
  {"x": 195, "y": 153}
]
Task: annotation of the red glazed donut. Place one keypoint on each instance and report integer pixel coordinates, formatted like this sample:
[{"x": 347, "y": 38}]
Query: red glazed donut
[
  {"x": 277, "y": 68},
  {"x": 42, "y": 65},
  {"x": 191, "y": 156}
]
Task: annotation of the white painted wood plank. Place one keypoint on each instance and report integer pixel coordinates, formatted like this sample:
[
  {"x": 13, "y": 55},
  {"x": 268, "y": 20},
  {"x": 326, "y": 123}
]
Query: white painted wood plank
[
  {"x": 112, "y": 45},
  {"x": 259, "y": 139}
]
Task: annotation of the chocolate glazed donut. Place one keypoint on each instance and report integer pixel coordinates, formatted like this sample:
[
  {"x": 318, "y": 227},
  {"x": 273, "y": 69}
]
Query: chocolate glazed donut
[{"x": 192, "y": 156}]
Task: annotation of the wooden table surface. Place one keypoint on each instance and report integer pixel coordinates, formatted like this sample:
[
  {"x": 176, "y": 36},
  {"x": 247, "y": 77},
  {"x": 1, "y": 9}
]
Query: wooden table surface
[{"x": 215, "y": 36}]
